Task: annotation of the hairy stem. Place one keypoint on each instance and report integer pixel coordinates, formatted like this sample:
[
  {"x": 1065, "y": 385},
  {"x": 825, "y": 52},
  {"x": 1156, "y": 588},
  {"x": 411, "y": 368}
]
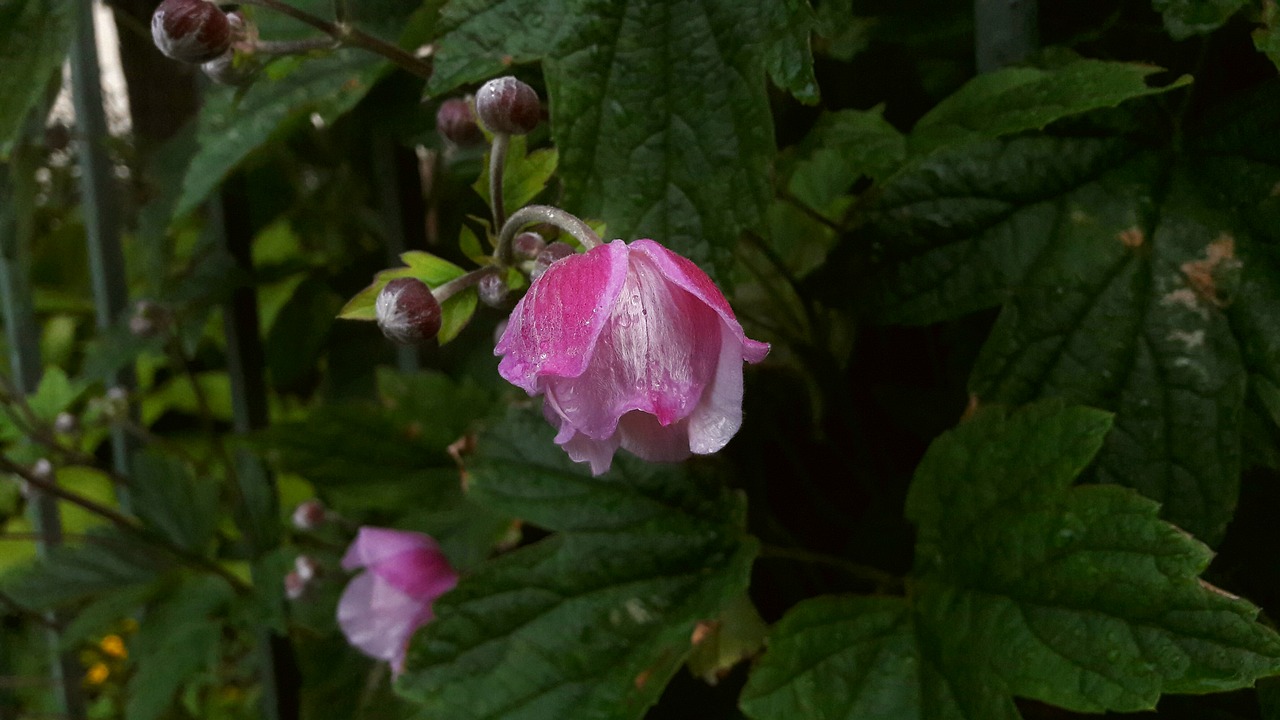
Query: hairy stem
[
  {"x": 532, "y": 214},
  {"x": 497, "y": 166}
]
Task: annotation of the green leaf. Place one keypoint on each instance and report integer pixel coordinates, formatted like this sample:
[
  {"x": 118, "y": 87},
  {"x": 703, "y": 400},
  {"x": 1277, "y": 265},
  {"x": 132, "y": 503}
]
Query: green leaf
[
  {"x": 169, "y": 498},
  {"x": 1184, "y": 18},
  {"x": 179, "y": 638},
  {"x": 455, "y": 312},
  {"x": 842, "y": 147},
  {"x": 592, "y": 621},
  {"x": 298, "y": 335},
  {"x": 55, "y": 394},
  {"x": 525, "y": 176},
  {"x": 788, "y": 56},
  {"x": 1101, "y": 607},
  {"x": 482, "y": 38},
  {"x": 662, "y": 118},
  {"x": 1017, "y": 99},
  {"x": 232, "y": 127},
  {"x": 1122, "y": 276},
  {"x": 736, "y": 635},
  {"x": 106, "y": 560},
  {"x": 34, "y": 38},
  {"x": 860, "y": 658}
]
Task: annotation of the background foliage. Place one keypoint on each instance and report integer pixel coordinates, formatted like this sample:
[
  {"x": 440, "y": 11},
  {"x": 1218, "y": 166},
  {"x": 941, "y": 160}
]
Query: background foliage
[{"x": 1013, "y": 454}]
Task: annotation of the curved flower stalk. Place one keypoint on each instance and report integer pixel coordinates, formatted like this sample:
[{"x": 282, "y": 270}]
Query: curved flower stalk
[
  {"x": 632, "y": 346},
  {"x": 382, "y": 607}
]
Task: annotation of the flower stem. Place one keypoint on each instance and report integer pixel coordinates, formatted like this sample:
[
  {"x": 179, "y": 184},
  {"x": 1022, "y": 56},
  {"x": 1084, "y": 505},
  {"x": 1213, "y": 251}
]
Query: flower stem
[
  {"x": 462, "y": 282},
  {"x": 531, "y": 214},
  {"x": 497, "y": 165},
  {"x": 293, "y": 47},
  {"x": 348, "y": 35},
  {"x": 875, "y": 576}
]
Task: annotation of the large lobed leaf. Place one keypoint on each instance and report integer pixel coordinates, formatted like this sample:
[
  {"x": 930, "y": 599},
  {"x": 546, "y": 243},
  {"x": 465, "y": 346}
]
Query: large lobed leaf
[
  {"x": 34, "y": 38},
  {"x": 593, "y": 621},
  {"x": 1130, "y": 281},
  {"x": 659, "y": 109},
  {"x": 1024, "y": 585}
]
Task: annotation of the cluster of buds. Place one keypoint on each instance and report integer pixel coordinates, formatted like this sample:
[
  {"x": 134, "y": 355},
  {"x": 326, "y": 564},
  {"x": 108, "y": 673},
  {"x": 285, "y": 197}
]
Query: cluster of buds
[
  {"x": 198, "y": 31},
  {"x": 504, "y": 106}
]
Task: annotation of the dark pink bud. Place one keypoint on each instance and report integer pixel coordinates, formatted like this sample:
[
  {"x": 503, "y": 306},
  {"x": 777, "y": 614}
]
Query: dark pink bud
[
  {"x": 493, "y": 290},
  {"x": 310, "y": 515},
  {"x": 407, "y": 311},
  {"x": 527, "y": 245},
  {"x": 457, "y": 123},
  {"x": 506, "y": 105},
  {"x": 553, "y": 252},
  {"x": 192, "y": 31}
]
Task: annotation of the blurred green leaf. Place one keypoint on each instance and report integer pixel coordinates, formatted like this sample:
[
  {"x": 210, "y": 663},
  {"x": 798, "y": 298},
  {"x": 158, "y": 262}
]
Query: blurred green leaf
[
  {"x": 591, "y": 622},
  {"x": 788, "y": 56},
  {"x": 298, "y": 335},
  {"x": 842, "y": 147},
  {"x": 232, "y": 127},
  {"x": 34, "y": 38},
  {"x": 180, "y": 638},
  {"x": 106, "y": 559},
  {"x": 1184, "y": 18},
  {"x": 168, "y": 497}
]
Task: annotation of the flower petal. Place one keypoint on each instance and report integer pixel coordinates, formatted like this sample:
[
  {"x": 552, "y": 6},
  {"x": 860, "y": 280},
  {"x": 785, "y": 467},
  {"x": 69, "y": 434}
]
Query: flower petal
[
  {"x": 554, "y": 328},
  {"x": 719, "y": 414},
  {"x": 373, "y": 545},
  {"x": 645, "y": 437},
  {"x": 379, "y": 619},
  {"x": 422, "y": 573},
  {"x": 687, "y": 275},
  {"x": 597, "y": 452}
]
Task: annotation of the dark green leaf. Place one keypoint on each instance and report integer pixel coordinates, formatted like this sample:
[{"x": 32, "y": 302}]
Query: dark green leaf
[
  {"x": 168, "y": 497},
  {"x": 843, "y": 147},
  {"x": 179, "y": 638},
  {"x": 788, "y": 56},
  {"x": 1017, "y": 99},
  {"x": 106, "y": 560},
  {"x": 1184, "y": 18},
  {"x": 661, "y": 116},
  {"x": 859, "y": 658},
  {"x": 1120, "y": 277},
  {"x": 591, "y": 622},
  {"x": 298, "y": 335},
  {"x": 34, "y": 38},
  {"x": 482, "y": 38},
  {"x": 231, "y": 127},
  {"x": 1101, "y": 607}
]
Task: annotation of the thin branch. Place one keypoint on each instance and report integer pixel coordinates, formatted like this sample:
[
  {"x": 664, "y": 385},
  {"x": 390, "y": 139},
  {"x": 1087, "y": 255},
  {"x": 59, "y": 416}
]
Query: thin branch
[{"x": 348, "y": 35}]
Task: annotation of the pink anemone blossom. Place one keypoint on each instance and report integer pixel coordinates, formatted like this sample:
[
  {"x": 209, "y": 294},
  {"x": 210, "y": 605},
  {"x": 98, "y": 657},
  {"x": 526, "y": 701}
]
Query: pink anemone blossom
[
  {"x": 631, "y": 346},
  {"x": 382, "y": 607}
]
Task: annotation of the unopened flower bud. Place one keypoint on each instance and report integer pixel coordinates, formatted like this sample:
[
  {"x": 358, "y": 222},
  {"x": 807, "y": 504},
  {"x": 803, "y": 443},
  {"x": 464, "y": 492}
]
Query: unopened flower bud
[
  {"x": 66, "y": 424},
  {"x": 306, "y": 567},
  {"x": 506, "y": 105},
  {"x": 407, "y": 311},
  {"x": 42, "y": 469},
  {"x": 527, "y": 245},
  {"x": 192, "y": 31},
  {"x": 148, "y": 319},
  {"x": 493, "y": 290},
  {"x": 310, "y": 515},
  {"x": 553, "y": 252},
  {"x": 457, "y": 123},
  {"x": 294, "y": 585}
]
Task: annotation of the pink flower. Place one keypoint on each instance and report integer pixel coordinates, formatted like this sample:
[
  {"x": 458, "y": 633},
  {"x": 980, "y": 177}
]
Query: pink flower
[
  {"x": 382, "y": 607},
  {"x": 632, "y": 346}
]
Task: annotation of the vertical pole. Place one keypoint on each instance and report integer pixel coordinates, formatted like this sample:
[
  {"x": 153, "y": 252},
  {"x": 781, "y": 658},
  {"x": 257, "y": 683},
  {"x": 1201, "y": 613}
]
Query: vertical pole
[
  {"x": 23, "y": 336},
  {"x": 229, "y": 213},
  {"x": 1005, "y": 32},
  {"x": 101, "y": 219}
]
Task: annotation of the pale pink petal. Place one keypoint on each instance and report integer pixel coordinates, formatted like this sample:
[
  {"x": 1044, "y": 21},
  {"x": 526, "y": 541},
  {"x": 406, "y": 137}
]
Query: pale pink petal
[
  {"x": 597, "y": 452},
  {"x": 719, "y": 414},
  {"x": 657, "y": 355},
  {"x": 554, "y": 328},
  {"x": 690, "y": 277},
  {"x": 378, "y": 619},
  {"x": 646, "y": 438},
  {"x": 373, "y": 545}
]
